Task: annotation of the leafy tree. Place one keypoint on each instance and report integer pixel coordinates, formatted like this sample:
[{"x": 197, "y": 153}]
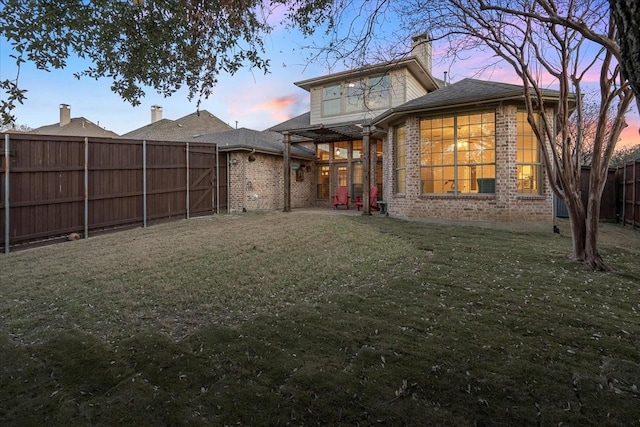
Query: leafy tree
[
  {"x": 15, "y": 128},
  {"x": 624, "y": 155},
  {"x": 159, "y": 44}
]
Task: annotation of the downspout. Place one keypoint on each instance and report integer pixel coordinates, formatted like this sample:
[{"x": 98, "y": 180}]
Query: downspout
[
  {"x": 244, "y": 185},
  {"x": 244, "y": 180},
  {"x": 217, "y": 179}
]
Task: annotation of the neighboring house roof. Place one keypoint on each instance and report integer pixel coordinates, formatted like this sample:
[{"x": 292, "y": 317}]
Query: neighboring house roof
[
  {"x": 78, "y": 126},
  {"x": 249, "y": 140},
  {"x": 301, "y": 121},
  {"x": 194, "y": 124},
  {"x": 465, "y": 92}
]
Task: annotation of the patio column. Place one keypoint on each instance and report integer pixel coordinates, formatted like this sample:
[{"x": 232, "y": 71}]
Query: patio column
[
  {"x": 287, "y": 172},
  {"x": 366, "y": 133}
]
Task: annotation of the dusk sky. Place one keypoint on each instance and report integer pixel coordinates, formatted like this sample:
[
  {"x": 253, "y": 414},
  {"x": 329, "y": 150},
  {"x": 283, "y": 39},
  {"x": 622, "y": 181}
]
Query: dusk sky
[{"x": 254, "y": 100}]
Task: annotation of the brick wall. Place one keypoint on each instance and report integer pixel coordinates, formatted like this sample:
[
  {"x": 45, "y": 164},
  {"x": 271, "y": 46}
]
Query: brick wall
[
  {"x": 505, "y": 205},
  {"x": 259, "y": 184}
]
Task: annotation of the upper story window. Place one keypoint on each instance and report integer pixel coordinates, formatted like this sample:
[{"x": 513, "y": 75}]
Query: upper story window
[
  {"x": 331, "y": 100},
  {"x": 354, "y": 97},
  {"x": 379, "y": 92},
  {"x": 371, "y": 93}
]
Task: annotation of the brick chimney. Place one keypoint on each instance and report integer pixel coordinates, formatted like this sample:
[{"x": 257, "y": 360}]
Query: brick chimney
[
  {"x": 421, "y": 49},
  {"x": 156, "y": 113},
  {"x": 65, "y": 114}
]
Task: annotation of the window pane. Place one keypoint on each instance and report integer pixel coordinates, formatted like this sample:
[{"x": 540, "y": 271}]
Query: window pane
[
  {"x": 331, "y": 100},
  {"x": 323, "y": 182},
  {"x": 356, "y": 149},
  {"x": 357, "y": 179},
  {"x": 379, "y": 149},
  {"x": 379, "y": 92},
  {"x": 400, "y": 146},
  {"x": 331, "y": 107},
  {"x": 322, "y": 151},
  {"x": 354, "y": 96},
  {"x": 340, "y": 150},
  {"x": 528, "y": 173}
]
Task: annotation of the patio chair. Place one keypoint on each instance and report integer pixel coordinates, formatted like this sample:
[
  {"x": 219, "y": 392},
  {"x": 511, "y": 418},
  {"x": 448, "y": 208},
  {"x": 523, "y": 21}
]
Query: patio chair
[
  {"x": 341, "y": 197},
  {"x": 373, "y": 198}
]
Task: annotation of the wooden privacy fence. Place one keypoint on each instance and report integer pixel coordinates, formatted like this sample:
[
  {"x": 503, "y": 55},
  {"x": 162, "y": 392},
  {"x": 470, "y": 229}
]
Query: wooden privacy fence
[
  {"x": 628, "y": 185},
  {"x": 52, "y": 186}
]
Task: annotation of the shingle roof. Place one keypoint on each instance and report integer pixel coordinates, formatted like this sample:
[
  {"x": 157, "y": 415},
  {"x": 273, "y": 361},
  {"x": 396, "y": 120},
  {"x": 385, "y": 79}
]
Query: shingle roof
[
  {"x": 301, "y": 121},
  {"x": 198, "y": 123},
  {"x": 78, "y": 126},
  {"x": 247, "y": 139},
  {"x": 464, "y": 92}
]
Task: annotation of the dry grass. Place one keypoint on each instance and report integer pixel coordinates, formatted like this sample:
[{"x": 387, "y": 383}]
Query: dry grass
[{"x": 271, "y": 318}]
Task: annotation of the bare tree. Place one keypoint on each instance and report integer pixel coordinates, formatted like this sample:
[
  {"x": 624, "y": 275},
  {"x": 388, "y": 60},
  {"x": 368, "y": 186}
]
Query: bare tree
[
  {"x": 566, "y": 40},
  {"x": 587, "y": 129},
  {"x": 548, "y": 43}
]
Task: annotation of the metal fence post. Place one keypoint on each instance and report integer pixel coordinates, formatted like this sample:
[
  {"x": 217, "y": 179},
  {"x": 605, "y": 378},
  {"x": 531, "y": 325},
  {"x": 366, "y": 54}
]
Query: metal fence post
[
  {"x": 144, "y": 183},
  {"x": 187, "y": 195},
  {"x": 7, "y": 223},
  {"x": 86, "y": 187}
]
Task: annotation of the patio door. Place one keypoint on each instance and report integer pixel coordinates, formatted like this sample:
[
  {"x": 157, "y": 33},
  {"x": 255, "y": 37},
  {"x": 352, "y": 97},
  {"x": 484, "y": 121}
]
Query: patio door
[{"x": 339, "y": 177}]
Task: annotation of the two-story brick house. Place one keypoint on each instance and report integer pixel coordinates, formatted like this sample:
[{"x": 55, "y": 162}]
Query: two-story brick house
[{"x": 460, "y": 151}]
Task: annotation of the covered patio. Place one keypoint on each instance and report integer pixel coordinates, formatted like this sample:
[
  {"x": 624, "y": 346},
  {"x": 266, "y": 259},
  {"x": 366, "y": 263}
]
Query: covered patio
[{"x": 347, "y": 155}]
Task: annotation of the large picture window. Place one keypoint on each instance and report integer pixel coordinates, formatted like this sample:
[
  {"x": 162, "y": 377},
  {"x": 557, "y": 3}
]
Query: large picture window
[
  {"x": 528, "y": 157},
  {"x": 401, "y": 157},
  {"x": 458, "y": 153}
]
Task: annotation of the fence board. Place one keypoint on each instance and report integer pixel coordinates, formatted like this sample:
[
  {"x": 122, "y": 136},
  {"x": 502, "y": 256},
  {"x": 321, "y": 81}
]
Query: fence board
[
  {"x": 47, "y": 184},
  {"x": 628, "y": 183}
]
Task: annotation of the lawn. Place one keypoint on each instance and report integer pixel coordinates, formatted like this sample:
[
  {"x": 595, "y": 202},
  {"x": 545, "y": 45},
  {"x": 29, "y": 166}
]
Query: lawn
[{"x": 306, "y": 319}]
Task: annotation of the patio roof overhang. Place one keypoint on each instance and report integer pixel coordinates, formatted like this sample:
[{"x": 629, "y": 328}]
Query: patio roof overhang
[{"x": 329, "y": 133}]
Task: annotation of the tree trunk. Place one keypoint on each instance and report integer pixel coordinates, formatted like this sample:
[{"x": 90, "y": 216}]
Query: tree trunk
[
  {"x": 578, "y": 224},
  {"x": 592, "y": 256},
  {"x": 627, "y": 16},
  {"x": 585, "y": 223}
]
